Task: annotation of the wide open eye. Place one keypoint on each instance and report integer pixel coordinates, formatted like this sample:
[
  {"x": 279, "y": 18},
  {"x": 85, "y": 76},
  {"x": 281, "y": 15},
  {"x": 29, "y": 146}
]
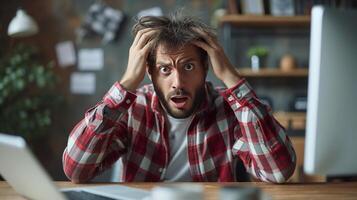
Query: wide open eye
[
  {"x": 189, "y": 67},
  {"x": 165, "y": 70}
]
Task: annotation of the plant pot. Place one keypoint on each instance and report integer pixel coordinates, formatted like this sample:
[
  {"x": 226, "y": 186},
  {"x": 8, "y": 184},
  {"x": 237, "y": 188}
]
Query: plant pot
[{"x": 257, "y": 62}]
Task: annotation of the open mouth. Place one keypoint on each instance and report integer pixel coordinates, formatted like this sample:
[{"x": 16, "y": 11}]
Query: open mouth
[{"x": 179, "y": 101}]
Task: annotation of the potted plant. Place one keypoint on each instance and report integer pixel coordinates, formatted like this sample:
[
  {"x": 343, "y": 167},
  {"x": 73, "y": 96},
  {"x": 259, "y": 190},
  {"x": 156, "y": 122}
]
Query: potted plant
[
  {"x": 28, "y": 94},
  {"x": 257, "y": 56}
]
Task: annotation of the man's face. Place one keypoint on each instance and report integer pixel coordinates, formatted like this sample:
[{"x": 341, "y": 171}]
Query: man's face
[{"x": 179, "y": 78}]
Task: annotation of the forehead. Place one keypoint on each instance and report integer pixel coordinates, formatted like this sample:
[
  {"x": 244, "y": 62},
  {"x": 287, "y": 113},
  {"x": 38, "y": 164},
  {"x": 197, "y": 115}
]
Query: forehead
[{"x": 165, "y": 52}]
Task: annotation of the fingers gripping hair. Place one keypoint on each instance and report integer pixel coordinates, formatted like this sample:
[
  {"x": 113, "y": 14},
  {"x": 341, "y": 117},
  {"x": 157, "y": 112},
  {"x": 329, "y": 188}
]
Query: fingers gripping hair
[{"x": 174, "y": 31}]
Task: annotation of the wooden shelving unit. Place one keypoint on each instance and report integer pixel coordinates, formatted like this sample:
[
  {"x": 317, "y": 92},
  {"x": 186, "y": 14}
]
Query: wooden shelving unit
[
  {"x": 290, "y": 120},
  {"x": 265, "y": 20},
  {"x": 231, "y": 25},
  {"x": 273, "y": 72}
]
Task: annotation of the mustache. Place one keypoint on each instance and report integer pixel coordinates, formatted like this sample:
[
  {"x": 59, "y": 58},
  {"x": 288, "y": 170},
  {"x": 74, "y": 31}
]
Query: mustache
[{"x": 178, "y": 92}]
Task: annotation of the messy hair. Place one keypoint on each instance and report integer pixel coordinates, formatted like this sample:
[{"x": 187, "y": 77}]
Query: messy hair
[{"x": 174, "y": 32}]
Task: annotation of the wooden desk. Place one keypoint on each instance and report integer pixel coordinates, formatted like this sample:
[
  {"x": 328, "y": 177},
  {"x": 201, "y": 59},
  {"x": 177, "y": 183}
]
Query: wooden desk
[{"x": 282, "y": 191}]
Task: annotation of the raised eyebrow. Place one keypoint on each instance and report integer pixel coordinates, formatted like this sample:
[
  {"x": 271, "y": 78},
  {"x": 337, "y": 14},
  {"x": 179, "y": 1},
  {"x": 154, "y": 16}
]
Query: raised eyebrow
[
  {"x": 187, "y": 60},
  {"x": 161, "y": 64}
]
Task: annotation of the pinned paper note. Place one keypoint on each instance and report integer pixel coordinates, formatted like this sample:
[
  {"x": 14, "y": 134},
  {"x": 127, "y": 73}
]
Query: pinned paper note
[
  {"x": 66, "y": 55},
  {"x": 154, "y": 11},
  {"x": 90, "y": 59},
  {"x": 82, "y": 83}
]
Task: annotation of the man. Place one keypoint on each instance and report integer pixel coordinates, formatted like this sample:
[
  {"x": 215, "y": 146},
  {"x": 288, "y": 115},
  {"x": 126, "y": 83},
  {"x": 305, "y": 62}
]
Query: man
[{"x": 179, "y": 128}]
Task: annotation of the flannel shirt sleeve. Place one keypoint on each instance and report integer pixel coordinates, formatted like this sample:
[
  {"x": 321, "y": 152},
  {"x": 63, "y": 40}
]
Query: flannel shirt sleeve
[
  {"x": 262, "y": 143},
  {"x": 99, "y": 139}
]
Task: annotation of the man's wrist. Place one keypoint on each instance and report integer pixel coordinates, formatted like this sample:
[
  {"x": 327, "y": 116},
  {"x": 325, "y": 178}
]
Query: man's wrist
[
  {"x": 129, "y": 84},
  {"x": 230, "y": 79}
]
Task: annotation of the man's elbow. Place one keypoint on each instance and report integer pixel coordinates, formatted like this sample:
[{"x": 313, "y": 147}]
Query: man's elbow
[
  {"x": 284, "y": 175},
  {"x": 288, "y": 167},
  {"x": 73, "y": 173},
  {"x": 75, "y": 178}
]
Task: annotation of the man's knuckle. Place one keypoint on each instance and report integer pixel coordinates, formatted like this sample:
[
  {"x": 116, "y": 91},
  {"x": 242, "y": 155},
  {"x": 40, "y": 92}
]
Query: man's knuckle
[
  {"x": 141, "y": 31},
  {"x": 145, "y": 35}
]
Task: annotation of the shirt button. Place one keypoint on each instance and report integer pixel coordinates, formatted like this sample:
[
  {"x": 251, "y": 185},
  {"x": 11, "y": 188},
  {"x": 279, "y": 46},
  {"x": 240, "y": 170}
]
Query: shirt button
[
  {"x": 239, "y": 95},
  {"x": 117, "y": 94},
  {"x": 128, "y": 101},
  {"x": 230, "y": 98},
  {"x": 160, "y": 169}
]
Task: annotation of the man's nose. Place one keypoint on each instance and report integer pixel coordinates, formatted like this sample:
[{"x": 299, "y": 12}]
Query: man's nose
[{"x": 178, "y": 81}]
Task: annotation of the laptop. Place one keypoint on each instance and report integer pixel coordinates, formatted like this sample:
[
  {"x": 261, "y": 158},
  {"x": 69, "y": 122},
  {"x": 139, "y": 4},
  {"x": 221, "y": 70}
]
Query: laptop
[{"x": 28, "y": 178}]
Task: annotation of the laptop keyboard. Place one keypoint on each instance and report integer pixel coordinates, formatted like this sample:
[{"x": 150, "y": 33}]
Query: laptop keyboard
[{"x": 82, "y": 195}]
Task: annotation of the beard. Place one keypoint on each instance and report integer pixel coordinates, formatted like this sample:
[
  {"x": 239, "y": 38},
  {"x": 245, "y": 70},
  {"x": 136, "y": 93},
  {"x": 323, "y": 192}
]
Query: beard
[{"x": 197, "y": 98}]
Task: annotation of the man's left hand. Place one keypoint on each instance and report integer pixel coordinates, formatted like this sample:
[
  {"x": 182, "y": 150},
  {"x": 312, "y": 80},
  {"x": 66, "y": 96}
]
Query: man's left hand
[{"x": 221, "y": 66}]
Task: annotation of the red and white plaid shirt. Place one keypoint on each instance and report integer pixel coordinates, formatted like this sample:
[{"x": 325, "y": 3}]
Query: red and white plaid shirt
[{"x": 229, "y": 124}]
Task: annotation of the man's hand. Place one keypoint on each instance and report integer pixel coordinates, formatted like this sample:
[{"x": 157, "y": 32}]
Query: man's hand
[
  {"x": 221, "y": 66},
  {"x": 139, "y": 50}
]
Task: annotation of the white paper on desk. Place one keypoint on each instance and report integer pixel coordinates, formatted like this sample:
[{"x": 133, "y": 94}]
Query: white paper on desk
[
  {"x": 154, "y": 11},
  {"x": 90, "y": 59},
  {"x": 66, "y": 55},
  {"x": 82, "y": 83}
]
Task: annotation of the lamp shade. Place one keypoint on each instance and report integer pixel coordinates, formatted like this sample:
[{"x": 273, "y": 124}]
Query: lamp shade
[{"x": 22, "y": 25}]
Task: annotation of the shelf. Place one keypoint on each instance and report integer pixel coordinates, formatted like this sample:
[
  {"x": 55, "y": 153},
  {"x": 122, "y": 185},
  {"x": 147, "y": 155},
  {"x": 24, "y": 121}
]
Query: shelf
[
  {"x": 291, "y": 120},
  {"x": 272, "y": 72},
  {"x": 265, "y": 20}
]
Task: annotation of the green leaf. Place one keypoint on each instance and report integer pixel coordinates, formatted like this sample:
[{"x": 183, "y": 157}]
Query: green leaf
[
  {"x": 20, "y": 84},
  {"x": 257, "y": 51}
]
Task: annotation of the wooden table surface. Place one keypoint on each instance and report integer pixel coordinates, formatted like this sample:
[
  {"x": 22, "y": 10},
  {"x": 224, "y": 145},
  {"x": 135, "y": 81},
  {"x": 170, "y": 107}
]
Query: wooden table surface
[{"x": 346, "y": 190}]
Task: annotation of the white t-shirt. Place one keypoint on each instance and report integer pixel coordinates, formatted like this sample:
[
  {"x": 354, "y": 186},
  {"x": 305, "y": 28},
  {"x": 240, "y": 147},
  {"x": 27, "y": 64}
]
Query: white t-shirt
[{"x": 178, "y": 168}]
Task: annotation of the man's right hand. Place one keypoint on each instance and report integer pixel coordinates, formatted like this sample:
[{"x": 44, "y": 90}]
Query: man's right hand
[{"x": 137, "y": 62}]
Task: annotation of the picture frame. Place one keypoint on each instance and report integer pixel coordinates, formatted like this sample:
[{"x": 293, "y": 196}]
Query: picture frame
[
  {"x": 252, "y": 7},
  {"x": 282, "y": 7}
]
